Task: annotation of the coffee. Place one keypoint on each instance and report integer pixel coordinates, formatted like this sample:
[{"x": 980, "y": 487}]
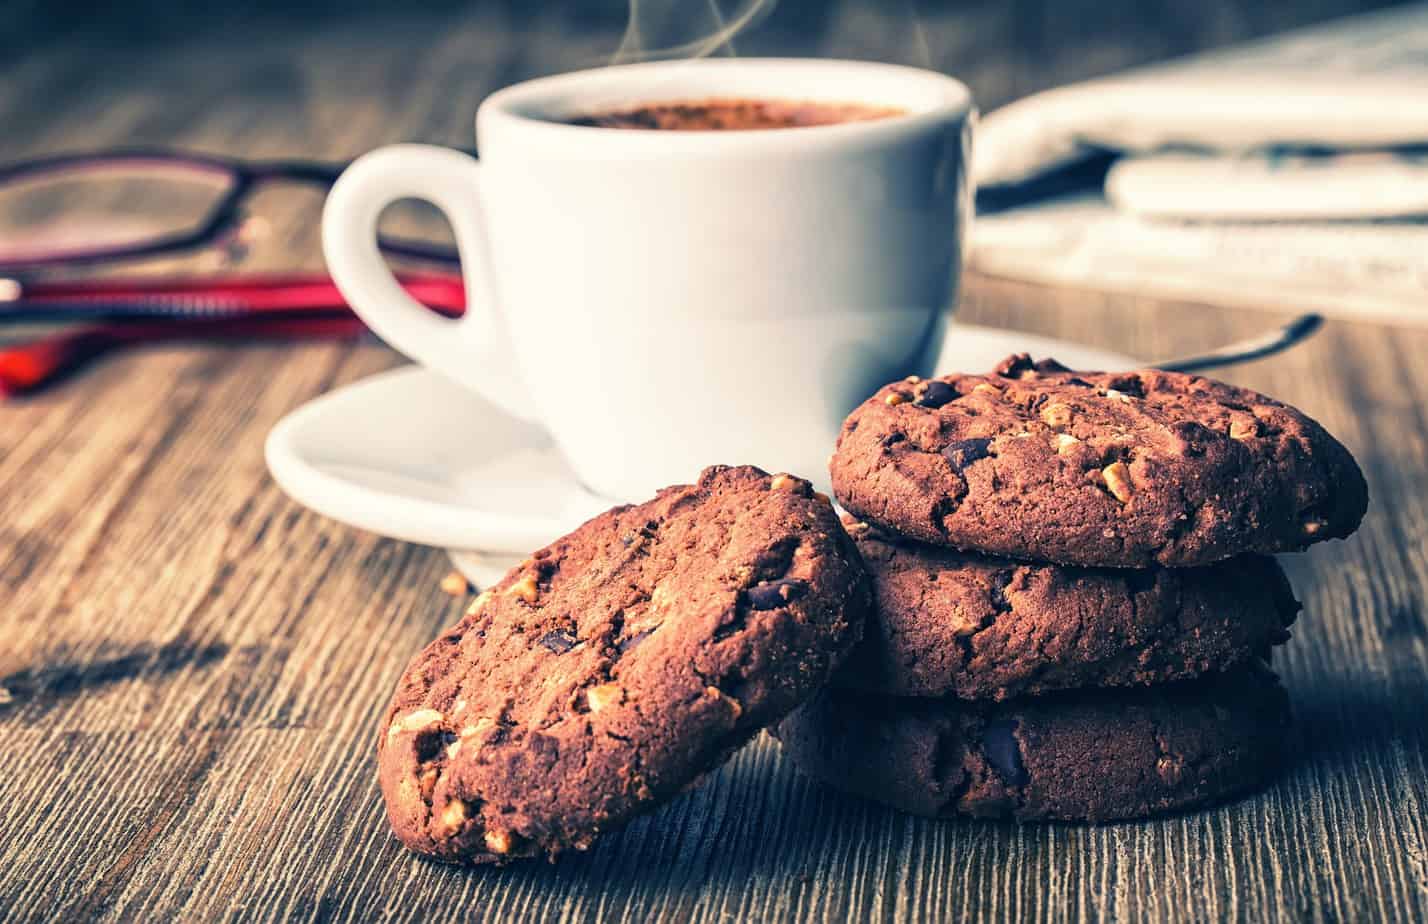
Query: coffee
[{"x": 734, "y": 115}]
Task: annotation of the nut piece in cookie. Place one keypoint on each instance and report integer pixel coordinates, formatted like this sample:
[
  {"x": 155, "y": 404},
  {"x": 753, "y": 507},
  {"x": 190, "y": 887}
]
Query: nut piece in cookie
[{"x": 618, "y": 665}]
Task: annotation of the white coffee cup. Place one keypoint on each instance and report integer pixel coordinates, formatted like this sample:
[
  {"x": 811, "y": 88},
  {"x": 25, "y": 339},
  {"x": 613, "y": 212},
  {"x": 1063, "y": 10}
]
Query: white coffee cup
[{"x": 660, "y": 301}]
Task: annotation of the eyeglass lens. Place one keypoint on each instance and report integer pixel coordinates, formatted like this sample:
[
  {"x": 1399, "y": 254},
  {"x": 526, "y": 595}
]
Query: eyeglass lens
[
  {"x": 89, "y": 207},
  {"x": 96, "y": 207}
]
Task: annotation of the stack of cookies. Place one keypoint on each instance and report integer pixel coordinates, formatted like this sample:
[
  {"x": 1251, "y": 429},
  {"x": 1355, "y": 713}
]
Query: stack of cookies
[
  {"x": 1074, "y": 607},
  {"x": 1053, "y": 602}
]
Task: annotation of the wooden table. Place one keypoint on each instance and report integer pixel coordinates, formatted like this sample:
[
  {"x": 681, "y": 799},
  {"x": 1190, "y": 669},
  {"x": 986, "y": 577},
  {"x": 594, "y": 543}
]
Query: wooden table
[{"x": 193, "y": 665}]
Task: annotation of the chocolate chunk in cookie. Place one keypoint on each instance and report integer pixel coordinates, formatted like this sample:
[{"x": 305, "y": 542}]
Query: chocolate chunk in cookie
[
  {"x": 1105, "y": 469},
  {"x": 617, "y": 665},
  {"x": 1095, "y": 755},
  {"x": 954, "y": 623}
]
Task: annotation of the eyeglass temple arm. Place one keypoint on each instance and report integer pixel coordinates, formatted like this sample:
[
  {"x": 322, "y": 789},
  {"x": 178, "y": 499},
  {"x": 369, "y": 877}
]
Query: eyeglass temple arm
[
  {"x": 319, "y": 171},
  {"x": 266, "y": 292},
  {"x": 29, "y": 367}
]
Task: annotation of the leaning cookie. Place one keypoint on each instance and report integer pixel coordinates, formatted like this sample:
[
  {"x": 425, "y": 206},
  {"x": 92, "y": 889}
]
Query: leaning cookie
[
  {"x": 952, "y": 623},
  {"x": 619, "y": 664},
  {"x": 1097, "y": 755},
  {"x": 1122, "y": 470}
]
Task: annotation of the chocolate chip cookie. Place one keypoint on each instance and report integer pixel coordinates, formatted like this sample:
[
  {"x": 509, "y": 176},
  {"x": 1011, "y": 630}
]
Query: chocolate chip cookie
[
  {"x": 618, "y": 664},
  {"x": 953, "y": 623},
  {"x": 1097, "y": 755},
  {"x": 1106, "y": 469}
]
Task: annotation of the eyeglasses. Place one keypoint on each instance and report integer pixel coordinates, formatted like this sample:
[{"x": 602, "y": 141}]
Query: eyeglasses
[
  {"x": 92, "y": 209},
  {"x": 120, "y": 205}
]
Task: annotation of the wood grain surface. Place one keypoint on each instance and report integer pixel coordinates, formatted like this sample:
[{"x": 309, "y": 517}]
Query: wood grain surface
[{"x": 192, "y": 666}]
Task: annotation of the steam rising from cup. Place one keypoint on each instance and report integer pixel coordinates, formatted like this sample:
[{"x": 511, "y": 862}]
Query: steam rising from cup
[{"x": 661, "y": 29}]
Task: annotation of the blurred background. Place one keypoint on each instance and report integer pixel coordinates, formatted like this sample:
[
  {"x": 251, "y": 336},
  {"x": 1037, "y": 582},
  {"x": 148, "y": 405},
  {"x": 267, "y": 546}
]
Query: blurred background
[
  {"x": 322, "y": 82},
  {"x": 1002, "y": 49},
  {"x": 292, "y": 73},
  {"x": 277, "y": 78}
]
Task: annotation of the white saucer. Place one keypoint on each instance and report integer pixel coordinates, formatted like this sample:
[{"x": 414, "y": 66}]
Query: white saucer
[{"x": 409, "y": 455}]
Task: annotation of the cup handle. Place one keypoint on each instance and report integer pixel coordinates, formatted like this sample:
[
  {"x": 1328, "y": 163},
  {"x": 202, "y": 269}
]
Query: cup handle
[{"x": 479, "y": 358}]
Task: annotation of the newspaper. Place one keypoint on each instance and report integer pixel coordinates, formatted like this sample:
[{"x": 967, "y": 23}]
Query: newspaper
[{"x": 1291, "y": 172}]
